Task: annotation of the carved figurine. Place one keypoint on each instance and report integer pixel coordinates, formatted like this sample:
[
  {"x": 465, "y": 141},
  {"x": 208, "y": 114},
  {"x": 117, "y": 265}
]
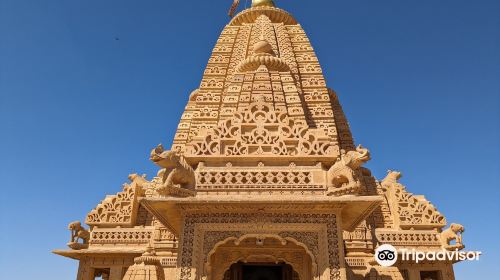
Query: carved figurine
[
  {"x": 139, "y": 180},
  {"x": 391, "y": 180},
  {"x": 453, "y": 233},
  {"x": 78, "y": 233},
  {"x": 342, "y": 175},
  {"x": 176, "y": 171}
]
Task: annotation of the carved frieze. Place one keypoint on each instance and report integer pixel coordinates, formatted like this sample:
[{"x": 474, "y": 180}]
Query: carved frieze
[
  {"x": 120, "y": 209},
  {"x": 261, "y": 131}
]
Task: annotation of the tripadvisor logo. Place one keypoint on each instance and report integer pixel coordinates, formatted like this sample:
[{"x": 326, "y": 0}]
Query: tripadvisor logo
[{"x": 386, "y": 255}]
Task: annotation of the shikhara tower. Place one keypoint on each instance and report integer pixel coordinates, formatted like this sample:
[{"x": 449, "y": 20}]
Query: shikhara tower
[{"x": 262, "y": 180}]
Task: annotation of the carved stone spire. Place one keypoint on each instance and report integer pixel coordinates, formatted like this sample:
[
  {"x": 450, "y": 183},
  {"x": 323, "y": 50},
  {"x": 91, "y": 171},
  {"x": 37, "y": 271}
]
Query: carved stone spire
[{"x": 263, "y": 52}]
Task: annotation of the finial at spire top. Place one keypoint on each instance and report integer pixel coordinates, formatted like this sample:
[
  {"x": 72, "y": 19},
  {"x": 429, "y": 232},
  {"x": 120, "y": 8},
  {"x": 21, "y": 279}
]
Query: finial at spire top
[{"x": 257, "y": 3}]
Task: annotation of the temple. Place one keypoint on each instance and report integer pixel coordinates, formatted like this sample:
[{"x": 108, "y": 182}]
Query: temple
[{"x": 263, "y": 181}]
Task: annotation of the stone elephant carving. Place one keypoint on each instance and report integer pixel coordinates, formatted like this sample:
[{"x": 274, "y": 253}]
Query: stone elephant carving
[{"x": 342, "y": 177}]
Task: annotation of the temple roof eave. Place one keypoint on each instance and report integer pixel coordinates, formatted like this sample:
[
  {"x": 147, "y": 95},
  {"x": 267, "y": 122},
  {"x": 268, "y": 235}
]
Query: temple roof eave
[
  {"x": 78, "y": 254},
  {"x": 170, "y": 210}
]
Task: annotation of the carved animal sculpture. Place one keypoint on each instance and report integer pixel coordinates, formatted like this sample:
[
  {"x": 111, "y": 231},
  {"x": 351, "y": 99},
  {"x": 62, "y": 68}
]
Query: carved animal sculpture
[
  {"x": 78, "y": 233},
  {"x": 344, "y": 170},
  {"x": 453, "y": 233},
  {"x": 391, "y": 180},
  {"x": 139, "y": 180},
  {"x": 176, "y": 170}
]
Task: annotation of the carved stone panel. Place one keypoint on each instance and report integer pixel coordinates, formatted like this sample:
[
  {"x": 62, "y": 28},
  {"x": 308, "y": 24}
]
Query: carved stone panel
[{"x": 318, "y": 234}]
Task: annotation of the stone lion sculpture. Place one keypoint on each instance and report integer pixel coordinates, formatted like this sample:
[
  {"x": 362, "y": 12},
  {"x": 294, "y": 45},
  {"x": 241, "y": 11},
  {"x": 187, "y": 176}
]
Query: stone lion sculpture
[
  {"x": 176, "y": 171},
  {"x": 453, "y": 233},
  {"x": 342, "y": 175},
  {"x": 78, "y": 233}
]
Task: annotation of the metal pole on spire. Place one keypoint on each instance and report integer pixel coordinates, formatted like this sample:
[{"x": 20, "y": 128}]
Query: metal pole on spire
[{"x": 235, "y": 5}]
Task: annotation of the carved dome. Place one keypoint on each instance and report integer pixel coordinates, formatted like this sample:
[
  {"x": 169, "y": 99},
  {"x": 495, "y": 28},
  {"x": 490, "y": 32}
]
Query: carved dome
[{"x": 263, "y": 46}]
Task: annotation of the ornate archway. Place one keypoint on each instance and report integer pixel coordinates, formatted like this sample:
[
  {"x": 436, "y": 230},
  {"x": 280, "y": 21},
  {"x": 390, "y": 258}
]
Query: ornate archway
[{"x": 263, "y": 249}]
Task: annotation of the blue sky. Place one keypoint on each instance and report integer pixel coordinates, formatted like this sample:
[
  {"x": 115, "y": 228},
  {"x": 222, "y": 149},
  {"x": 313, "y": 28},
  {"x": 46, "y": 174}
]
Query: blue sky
[{"x": 87, "y": 88}]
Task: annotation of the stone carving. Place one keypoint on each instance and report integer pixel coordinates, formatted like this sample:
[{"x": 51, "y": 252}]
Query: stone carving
[
  {"x": 263, "y": 54},
  {"x": 190, "y": 256},
  {"x": 146, "y": 267},
  {"x": 410, "y": 211},
  {"x": 257, "y": 180},
  {"x": 298, "y": 261},
  {"x": 176, "y": 171},
  {"x": 453, "y": 233},
  {"x": 342, "y": 176},
  {"x": 359, "y": 240},
  {"x": 260, "y": 130},
  {"x": 140, "y": 181},
  {"x": 78, "y": 233},
  {"x": 408, "y": 238},
  {"x": 391, "y": 180},
  {"x": 120, "y": 209},
  {"x": 136, "y": 235}
]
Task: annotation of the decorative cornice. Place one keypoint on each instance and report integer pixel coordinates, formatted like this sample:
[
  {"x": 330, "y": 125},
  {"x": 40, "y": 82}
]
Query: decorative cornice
[{"x": 274, "y": 14}]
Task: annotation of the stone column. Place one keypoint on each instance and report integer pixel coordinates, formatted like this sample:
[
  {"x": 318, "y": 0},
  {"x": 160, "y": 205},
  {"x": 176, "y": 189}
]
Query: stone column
[
  {"x": 85, "y": 272},
  {"x": 116, "y": 273}
]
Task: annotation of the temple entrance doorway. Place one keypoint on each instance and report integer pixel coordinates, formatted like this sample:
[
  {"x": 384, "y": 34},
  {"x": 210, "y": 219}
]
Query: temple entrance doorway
[
  {"x": 260, "y": 271},
  {"x": 260, "y": 257}
]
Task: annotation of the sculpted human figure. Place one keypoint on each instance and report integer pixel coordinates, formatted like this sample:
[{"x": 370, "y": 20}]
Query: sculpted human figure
[
  {"x": 78, "y": 233},
  {"x": 342, "y": 175},
  {"x": 453, "y": 233},
  {"x": 176, "y": 171}
]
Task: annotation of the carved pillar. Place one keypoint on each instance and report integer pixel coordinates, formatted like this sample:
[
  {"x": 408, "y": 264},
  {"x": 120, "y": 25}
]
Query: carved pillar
[
  {"x": 85, "y": 272},
  {"x": 116, "y": 273}
]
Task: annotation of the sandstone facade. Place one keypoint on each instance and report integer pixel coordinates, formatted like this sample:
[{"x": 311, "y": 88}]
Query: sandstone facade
[{"x": 263, "y": 172}]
